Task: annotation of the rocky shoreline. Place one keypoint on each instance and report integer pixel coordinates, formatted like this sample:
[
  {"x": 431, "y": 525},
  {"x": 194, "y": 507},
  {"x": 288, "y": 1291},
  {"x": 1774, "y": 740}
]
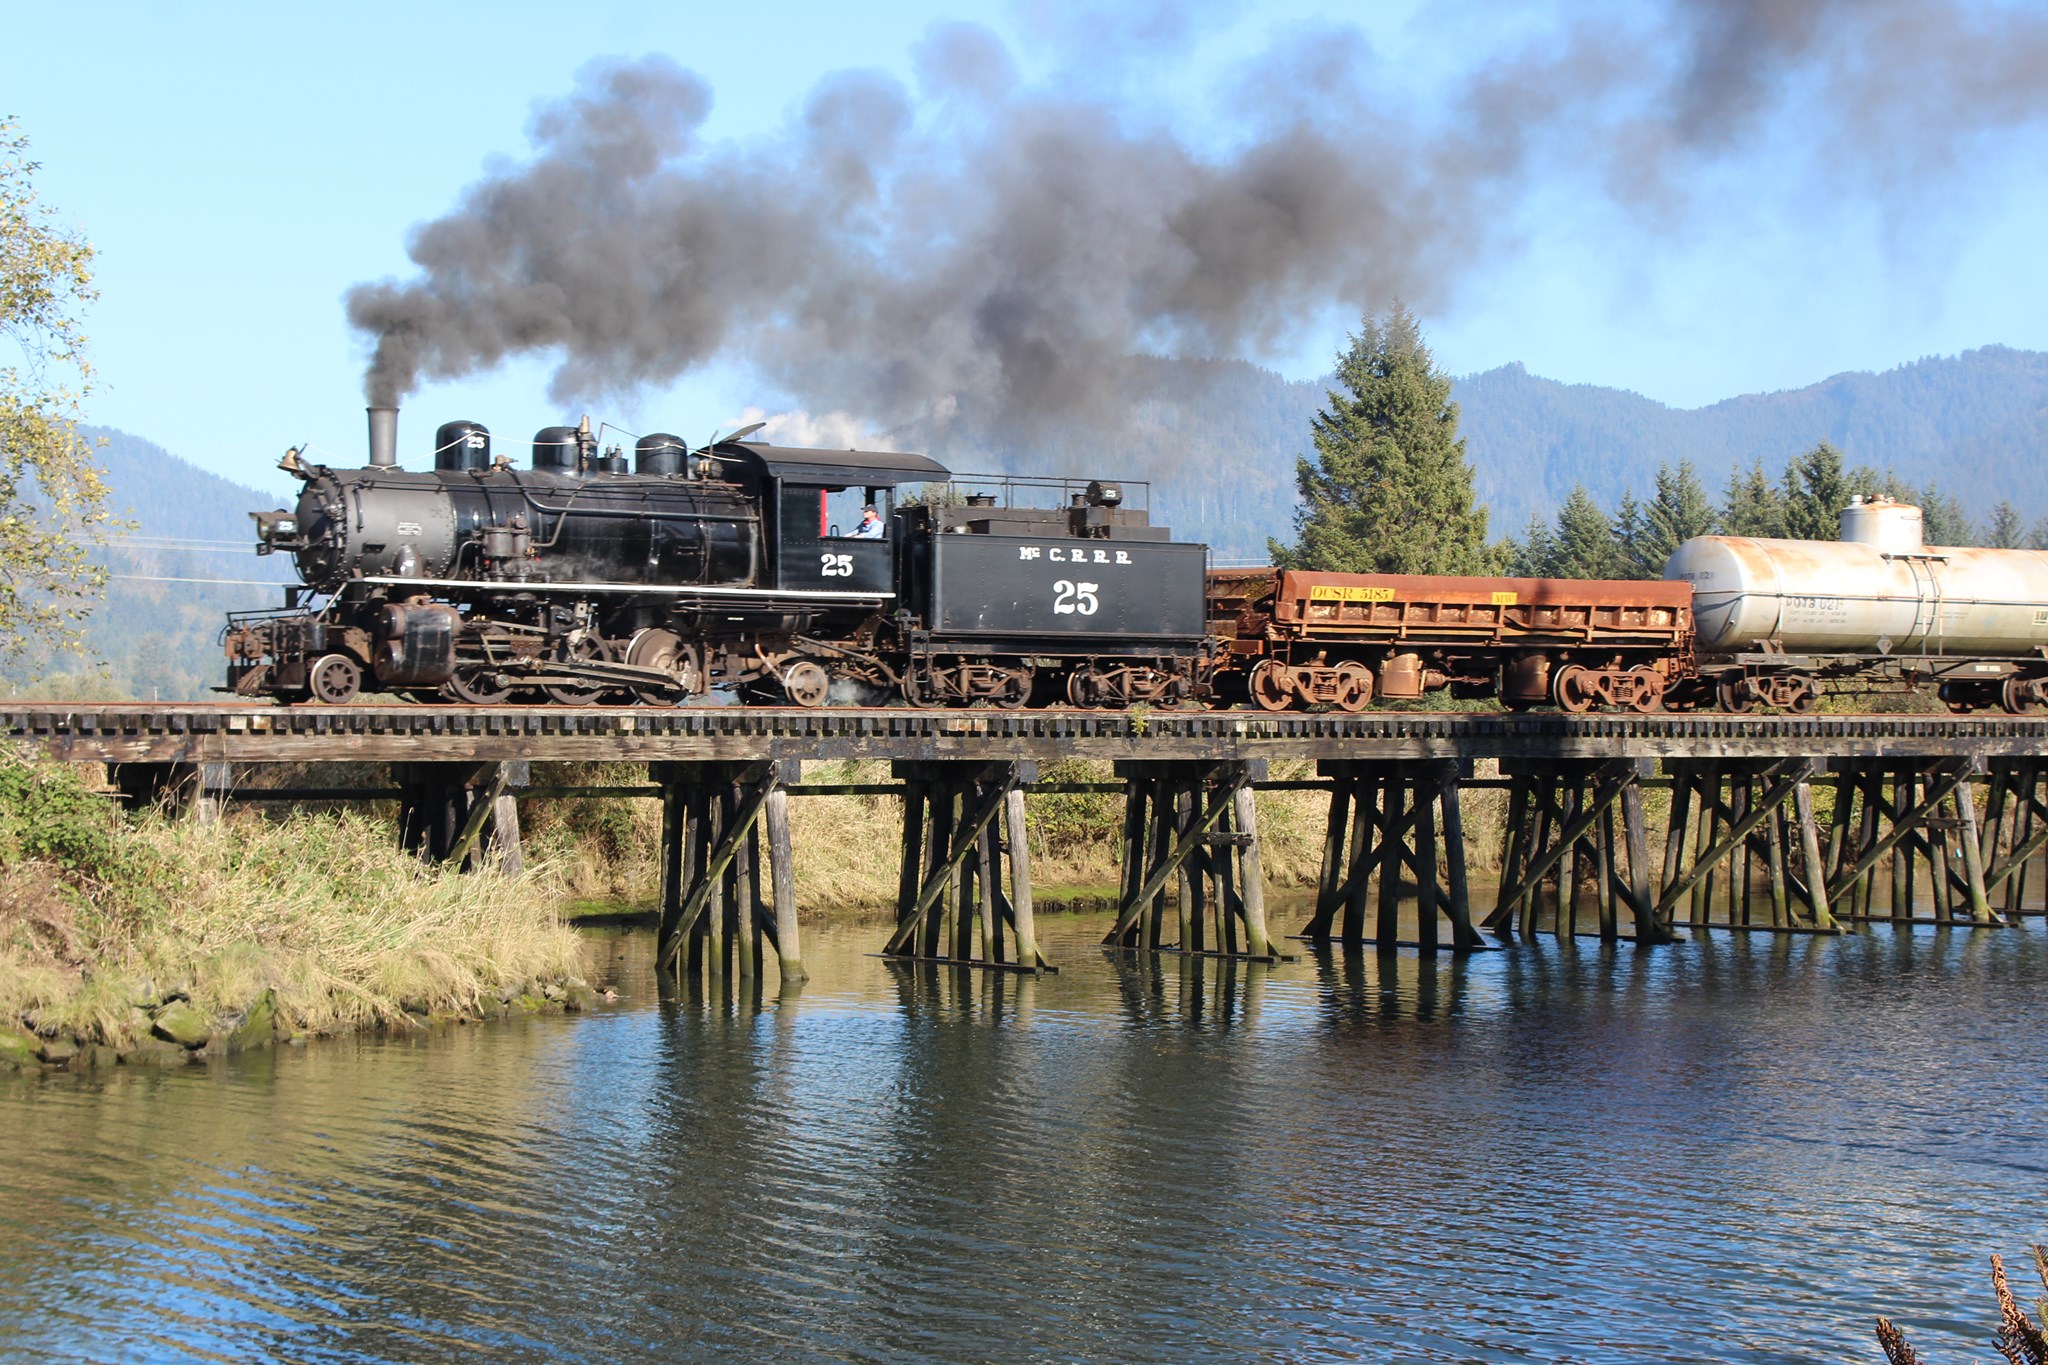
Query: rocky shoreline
[{"x": 174, "y": 1032}]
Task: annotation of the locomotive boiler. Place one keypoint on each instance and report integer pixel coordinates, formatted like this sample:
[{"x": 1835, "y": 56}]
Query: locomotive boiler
[
  {"x": 1776, "y": 617},
  {"x": 574, "y": 578}
]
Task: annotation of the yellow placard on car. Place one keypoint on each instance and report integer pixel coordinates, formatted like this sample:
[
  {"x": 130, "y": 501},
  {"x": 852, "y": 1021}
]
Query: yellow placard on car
[
  {"x": 1323, "y": 592},
  {"x": 1505, "y": 599}
]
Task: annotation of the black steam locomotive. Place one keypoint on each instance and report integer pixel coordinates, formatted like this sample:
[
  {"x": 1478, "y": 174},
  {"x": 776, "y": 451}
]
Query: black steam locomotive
[{"x": 578, "y": 581}]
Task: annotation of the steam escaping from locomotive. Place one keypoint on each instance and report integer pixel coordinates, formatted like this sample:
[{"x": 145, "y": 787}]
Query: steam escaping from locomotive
[{"x": 993, "y": 253}]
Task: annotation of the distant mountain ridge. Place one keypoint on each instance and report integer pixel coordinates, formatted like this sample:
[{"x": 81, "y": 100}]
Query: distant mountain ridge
[
  {"x": 1975, "y": 423},
  {"x": 186, "y": 560},
  {"x": 1218, "y": 439}
]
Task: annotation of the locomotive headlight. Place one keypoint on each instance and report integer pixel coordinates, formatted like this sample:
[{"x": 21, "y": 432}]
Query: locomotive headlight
[{"x": 275, "y": 531}]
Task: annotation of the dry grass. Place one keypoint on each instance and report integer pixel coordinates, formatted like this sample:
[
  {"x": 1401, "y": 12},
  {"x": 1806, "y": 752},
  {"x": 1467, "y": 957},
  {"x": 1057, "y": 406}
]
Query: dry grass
[
  {"x": 320, "y": 912},
  {"x": 2020, "y": 1339}
]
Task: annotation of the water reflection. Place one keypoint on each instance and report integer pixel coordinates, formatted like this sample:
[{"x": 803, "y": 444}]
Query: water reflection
[{"x": 1739, "y": 1149}]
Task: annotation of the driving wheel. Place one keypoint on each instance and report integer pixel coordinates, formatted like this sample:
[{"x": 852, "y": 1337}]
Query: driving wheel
[
  {"x": 479, "y": 685},
  {"x": 579, "y": 692}
]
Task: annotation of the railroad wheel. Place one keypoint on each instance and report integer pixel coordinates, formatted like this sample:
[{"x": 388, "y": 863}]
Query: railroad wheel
[
  {"x": 1354, "y": 686},
  {"x": 479, "y": 685},
  {"x": 665, "y": 650},
  {"x": 806, "y": 683},
  {"x": 1574, "y": 689},
  {"x": 334, "y": 679},
  {"x": 1649, "y": 690},
  {"x": 1806, "y": 700},
  {"x": 1734, "y": 693},
  {"x": 917, "y": 689},
  {"x": 586, "y": 650},
  {"x": 1272, "y": 685},
  {"x": 2017, "y": 695}
]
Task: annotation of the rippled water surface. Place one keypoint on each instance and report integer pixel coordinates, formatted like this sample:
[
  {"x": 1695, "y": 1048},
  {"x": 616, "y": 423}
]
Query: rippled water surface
[{"x": 1738, "y": 1149}]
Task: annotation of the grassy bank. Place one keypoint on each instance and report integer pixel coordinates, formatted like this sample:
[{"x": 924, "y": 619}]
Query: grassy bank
[{"x": 146, "y": 938}]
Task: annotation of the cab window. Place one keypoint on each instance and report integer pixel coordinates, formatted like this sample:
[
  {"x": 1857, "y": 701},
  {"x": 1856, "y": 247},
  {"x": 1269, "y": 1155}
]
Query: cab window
[{"x": 840, "y": 512}]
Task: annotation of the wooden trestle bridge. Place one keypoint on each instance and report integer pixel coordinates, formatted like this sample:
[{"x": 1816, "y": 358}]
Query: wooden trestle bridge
[{"x": 1775, "y": 823}]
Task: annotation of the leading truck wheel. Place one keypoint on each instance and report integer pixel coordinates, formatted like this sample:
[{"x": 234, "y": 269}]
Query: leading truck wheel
[{"x": 334, "y": 679}]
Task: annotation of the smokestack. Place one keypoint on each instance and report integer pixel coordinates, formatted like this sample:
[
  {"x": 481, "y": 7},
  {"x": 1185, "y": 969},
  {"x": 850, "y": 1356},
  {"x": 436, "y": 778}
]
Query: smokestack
[{"x": 384, "y": 436}]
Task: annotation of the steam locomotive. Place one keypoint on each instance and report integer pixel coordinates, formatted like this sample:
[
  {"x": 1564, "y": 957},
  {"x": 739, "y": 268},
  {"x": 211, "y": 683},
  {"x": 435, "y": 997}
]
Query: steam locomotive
[{"x": 579, "y": 580}]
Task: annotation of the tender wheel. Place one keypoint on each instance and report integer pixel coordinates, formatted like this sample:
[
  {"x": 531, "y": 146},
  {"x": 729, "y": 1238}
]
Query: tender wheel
[
  {"x": 1573, "y": 689},
  {"x": 1272, "y": 686},
  {"x": 334, "y": 679},
  {"x": 806, "y": 683},
  {"x": 588, "y": 649},
  {"x": 1649, "y": 693},
  {"x": 918, "y": 690},
  {"x": 479, "y": 685},
  {"x": 1354, "y": 686}
]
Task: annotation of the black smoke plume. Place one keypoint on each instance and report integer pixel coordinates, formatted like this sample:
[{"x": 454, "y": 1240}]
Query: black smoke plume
[{"x": 992, "y": 252}]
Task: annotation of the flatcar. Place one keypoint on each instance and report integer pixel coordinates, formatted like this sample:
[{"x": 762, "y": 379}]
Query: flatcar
[{"x": 1298, "y": 639}]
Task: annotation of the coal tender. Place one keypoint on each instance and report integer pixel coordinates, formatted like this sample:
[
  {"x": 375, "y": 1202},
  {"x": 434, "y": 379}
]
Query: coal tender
[{"x": 741, "y": 568}]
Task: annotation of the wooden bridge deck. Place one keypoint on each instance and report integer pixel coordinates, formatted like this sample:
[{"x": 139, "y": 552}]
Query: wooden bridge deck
[{"x": 200, "y": 732}]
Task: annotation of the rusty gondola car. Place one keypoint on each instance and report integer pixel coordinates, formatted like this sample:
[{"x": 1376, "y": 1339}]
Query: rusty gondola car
[{"x": 1299, "y": 639}]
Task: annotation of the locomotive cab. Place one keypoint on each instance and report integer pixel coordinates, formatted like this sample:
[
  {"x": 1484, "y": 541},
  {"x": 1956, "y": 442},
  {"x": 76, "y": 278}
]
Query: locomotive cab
[{"x": 812, "y": 502}]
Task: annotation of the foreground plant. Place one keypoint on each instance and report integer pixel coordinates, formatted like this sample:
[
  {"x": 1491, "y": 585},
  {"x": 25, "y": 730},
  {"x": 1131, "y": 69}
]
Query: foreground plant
[
  {"x": 2020, "y": 1340},
  {"x": 118, "y": 931}
]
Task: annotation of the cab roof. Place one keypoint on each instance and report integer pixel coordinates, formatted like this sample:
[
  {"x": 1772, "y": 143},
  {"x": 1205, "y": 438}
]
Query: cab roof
[{"x": 831, "y": 468}]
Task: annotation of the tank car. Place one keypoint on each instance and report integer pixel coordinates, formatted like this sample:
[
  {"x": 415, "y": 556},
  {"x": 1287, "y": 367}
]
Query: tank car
[
  {"x": 575, "y": 578},
  {"x": 1777, "y": 617},
  {"x": 1300, "y": 639}
]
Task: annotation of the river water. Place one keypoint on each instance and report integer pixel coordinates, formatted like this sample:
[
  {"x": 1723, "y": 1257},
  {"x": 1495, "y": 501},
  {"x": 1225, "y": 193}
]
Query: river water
[{"x": 1739, "y": 1149}]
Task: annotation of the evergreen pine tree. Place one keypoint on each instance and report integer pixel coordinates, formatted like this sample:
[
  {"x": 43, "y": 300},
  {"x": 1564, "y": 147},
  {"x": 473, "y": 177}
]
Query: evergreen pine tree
[
  {"x": 1536, "y": 553},
  {"x": 1630, "y": 532},
  {"x": 2007, "y": 531},
  {"x": 1943, "y": 520},
  {"x": 1390, "y": 490},
  {"x": 1752, "y": 505},
  {"x": 1679, "y": 511},
  {"x": 1817, "y": 488},
  {"x": 1586, "y": 546},
  {"x": 2037, "y": 539}
]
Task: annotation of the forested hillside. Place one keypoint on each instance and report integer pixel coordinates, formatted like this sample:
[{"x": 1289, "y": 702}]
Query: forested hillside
[
  {"x": 1976, "y": 425},
  {"x": 182, "y": 563},
  {"x": 1218, "y": 439}
]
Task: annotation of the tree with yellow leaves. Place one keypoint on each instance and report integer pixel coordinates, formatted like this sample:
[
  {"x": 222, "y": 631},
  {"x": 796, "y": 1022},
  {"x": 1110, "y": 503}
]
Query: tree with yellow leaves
[{"x": 53, "y": 497}]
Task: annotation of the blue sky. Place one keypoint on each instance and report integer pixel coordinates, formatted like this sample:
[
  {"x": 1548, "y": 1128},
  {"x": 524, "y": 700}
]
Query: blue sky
[{"x": 240, "y": 166}]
